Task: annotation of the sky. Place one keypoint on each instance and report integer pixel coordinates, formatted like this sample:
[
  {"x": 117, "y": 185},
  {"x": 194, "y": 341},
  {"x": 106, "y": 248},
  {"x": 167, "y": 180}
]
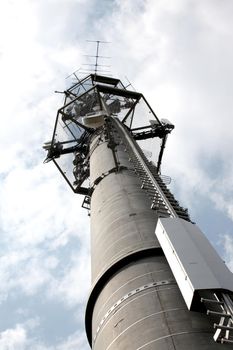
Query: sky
[{"x": 179, "y": 54}]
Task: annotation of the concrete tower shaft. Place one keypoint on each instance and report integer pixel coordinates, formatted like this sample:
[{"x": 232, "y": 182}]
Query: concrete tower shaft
[
  {"x": 155, "y": 276},
  {"x": 135, "y": 302}
]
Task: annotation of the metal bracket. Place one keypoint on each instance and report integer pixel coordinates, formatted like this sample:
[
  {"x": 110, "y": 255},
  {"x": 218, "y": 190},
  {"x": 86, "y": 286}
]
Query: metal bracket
[{"x": 86, "y": 203}]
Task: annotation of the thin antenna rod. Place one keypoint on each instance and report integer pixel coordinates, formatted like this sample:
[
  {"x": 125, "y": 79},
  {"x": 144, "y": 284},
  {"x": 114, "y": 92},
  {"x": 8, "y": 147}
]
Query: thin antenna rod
[
  {"x": 129, "y": 84},
  {"x": 97, "y": 56},
  {"x": 100, "y": 65},
  {"x": 73, "y": 73}
]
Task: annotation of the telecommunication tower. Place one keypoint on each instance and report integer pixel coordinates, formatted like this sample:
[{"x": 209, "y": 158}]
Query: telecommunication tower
[{"x": 157, "y": 283}]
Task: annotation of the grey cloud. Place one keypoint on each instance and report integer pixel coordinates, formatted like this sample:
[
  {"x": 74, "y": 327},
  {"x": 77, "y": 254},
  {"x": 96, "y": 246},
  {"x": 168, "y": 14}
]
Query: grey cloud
[{"x": 178, "y": 54}]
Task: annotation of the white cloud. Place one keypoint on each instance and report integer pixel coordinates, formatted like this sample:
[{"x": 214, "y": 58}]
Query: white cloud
[
  {"x": 12, "y": 339},
  {"x": 26, "y": 271},
  {"x": 75, "y": 341},
  {"x": 20, "y": 338},
  {"x": 228, "y": 246},
  {"x": 74, "y": 284}
]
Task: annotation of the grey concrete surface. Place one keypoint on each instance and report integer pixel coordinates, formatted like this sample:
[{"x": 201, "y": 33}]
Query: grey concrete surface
[{"x": 129, "y": 313}]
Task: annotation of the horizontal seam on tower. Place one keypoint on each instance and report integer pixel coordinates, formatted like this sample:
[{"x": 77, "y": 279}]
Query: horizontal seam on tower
[
  {"x": 142, "y": 319},
  {"x": 137, "y": 297},
  {"x": 170, "y": 335},
  {"x": 114, "y": 310},
  {"x": 125, "y": 284}
]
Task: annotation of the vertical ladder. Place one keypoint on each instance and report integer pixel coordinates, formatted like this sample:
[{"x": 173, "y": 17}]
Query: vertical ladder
[
  {"x": 221, "y": 307},
  {"x": 162, "y": 200}
]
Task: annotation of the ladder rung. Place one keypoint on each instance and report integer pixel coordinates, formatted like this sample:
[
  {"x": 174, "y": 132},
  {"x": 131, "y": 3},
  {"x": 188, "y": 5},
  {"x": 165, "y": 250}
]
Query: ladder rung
[
  {"x": 223, "y": 327},
  {"x": 145, "y": 181},
  {"x": 157, "y": 197},
  {"x": 180, "y": 212},
  {"x": 184, "y": 217},
  {"x": 171, "y": 198},
  {"x": 222, "y": 314},
  {"x": 225, "y": 340},
  {"x": 203, "y": 300},
  {"x": 163, "y": 210},
  {"x": 146, "y": 186},
  {"x": 154, "y": 207},
  {"x": 164, "y": 215},
  {"x": 150, "y": 190},
  {"x": 160, "y": 205}
]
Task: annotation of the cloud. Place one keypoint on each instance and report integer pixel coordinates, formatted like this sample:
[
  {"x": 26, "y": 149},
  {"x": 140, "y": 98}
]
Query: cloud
[
  {"x": 26, "y": 271},
  {"x": 17, "y": 337},
  {"x": 20, "y": 338},
  {"x": 12, "y": 339},
  {"x": 73, "y": 285},
  {"x": 75, "y": 341},
  {"x": 228, "y": 246},
  {"x": 178, "y": 54}
]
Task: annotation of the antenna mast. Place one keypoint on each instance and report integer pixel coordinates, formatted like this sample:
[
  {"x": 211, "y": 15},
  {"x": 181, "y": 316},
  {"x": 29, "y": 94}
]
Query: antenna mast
[
  {"x": 97, "y": 56},
  {"x": 155, "y": 276}
]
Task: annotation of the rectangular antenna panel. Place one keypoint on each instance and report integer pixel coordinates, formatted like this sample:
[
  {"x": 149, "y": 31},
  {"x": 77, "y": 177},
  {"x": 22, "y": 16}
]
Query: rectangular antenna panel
[{"x": 194, "y": 262}]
